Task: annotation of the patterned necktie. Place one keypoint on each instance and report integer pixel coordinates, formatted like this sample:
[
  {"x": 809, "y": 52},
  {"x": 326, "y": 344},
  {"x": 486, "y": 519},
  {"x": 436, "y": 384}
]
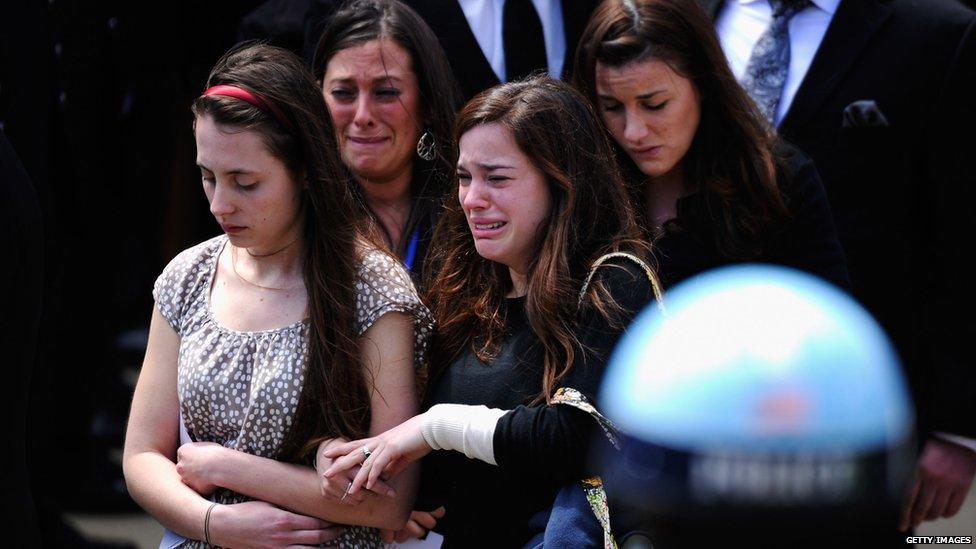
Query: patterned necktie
[{"x": 770, "y": 60}]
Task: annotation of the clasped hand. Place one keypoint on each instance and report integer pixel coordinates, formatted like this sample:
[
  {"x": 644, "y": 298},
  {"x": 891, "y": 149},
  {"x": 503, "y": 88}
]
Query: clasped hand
[
  {"x": 196, "y": 463},
  {"x": 252, "y": 523}
]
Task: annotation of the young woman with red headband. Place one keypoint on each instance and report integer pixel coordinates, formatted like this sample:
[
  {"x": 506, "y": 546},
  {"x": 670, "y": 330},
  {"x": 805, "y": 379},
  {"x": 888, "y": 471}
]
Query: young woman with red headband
[{"x": 290, "y": 328}]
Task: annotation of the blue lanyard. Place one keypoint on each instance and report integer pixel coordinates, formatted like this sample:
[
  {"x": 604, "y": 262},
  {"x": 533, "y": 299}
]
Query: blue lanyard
[{"x": 412, "y": 250}]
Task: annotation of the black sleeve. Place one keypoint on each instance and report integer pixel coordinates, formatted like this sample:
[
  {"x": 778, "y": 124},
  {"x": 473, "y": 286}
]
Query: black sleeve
[
  {"x": 946, "y": 380},
  {"x": 552, "y": 441},
  {"x": 809, "y": 240}
]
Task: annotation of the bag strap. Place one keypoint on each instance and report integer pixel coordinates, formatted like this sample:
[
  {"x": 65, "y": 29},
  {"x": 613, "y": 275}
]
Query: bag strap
[
  {"x": 592, "y": 487},
  {"x": 651, "y": 277},
  {"x": 567, "y": 396},
  {"x": 596, "y": 496}
]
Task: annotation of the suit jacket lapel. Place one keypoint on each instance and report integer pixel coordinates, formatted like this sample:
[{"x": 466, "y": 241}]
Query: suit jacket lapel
[
  {"x": 447, "y": 21},
  {"x": 853, "y": 25}
]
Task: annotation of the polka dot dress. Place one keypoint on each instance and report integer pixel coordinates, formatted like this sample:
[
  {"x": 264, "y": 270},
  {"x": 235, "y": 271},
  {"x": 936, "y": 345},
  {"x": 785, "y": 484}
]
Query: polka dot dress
[{"x": 241, "y": 389}]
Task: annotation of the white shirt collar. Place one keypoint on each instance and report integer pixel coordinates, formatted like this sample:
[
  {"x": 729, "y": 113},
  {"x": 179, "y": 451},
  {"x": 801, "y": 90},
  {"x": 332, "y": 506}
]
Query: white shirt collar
[{"x": 829, "y": 6}]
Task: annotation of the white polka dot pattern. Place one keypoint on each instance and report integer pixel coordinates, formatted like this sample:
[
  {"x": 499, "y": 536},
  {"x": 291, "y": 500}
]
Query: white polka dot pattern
[{"x": 241, "y": 389}]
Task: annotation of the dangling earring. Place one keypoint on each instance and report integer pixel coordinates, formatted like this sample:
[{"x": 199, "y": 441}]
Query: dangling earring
[{"x": 426, "y": 146}]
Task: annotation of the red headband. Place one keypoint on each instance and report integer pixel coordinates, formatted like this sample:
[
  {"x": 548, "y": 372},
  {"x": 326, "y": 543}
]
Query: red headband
[{"x": 252, "y": 98}]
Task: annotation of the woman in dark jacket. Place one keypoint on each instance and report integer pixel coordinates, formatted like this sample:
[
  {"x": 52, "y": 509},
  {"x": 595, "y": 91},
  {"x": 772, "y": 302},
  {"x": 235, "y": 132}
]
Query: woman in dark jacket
[{"x": 713, "y": 182}]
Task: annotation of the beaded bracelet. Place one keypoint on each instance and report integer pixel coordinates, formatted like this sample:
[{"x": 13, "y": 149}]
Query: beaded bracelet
[{"x": 206, "y": 524}]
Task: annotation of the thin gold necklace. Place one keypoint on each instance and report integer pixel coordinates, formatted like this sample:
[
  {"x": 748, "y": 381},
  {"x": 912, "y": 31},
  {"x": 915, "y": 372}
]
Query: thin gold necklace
[{"x": 233, "y": 264}]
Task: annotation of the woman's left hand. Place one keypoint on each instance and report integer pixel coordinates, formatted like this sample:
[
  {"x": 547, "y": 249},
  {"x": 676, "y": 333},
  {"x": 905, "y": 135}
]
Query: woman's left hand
[
  {"x": 336, "y": 487},
  {"x": 385, "y": 454},
  {"x": 197, "y": 463}
]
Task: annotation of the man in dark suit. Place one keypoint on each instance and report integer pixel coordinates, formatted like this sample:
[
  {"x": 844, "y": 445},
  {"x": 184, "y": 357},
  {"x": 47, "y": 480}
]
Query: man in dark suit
[
  {"x": 880, "y": 94},
  {"x": 545, "y": 40}
]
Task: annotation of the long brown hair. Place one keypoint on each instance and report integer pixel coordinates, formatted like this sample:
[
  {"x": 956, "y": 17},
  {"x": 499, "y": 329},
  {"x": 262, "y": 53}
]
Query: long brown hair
[
  {"x": 591, "y": 215},
  {"x": 732, "y": 162},
  {"x": 362, "y": 21},
  {"x": 334, "y": 400}
]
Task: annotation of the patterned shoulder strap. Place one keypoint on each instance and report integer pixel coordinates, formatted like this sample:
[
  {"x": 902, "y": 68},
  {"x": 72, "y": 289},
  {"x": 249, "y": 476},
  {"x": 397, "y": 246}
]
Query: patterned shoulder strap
[
  {"x": 651, "y": 277},
  {"x": 592, "y": 487},
  {"x": 567, "y": 396}
]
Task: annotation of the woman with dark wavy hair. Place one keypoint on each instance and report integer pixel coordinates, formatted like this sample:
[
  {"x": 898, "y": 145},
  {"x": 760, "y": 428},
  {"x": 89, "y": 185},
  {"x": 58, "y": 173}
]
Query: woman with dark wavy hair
[
  {"x": 290, "y": 328},
  {"x": 712, "y": 182},
  {"x": 392, "y": 97},
  {"x": 539, "y": 267}
]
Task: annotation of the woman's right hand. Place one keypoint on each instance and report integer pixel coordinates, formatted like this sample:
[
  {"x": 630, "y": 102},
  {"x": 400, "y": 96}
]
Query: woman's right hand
[
  {"x": 336, "y": 487},
  {"x": 261, "y": 525}
]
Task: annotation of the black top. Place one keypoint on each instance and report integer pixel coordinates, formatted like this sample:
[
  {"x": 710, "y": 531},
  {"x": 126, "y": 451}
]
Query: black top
[
  {"x": 807, "y": 241},
  {"x": 538, "y": 448}
]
